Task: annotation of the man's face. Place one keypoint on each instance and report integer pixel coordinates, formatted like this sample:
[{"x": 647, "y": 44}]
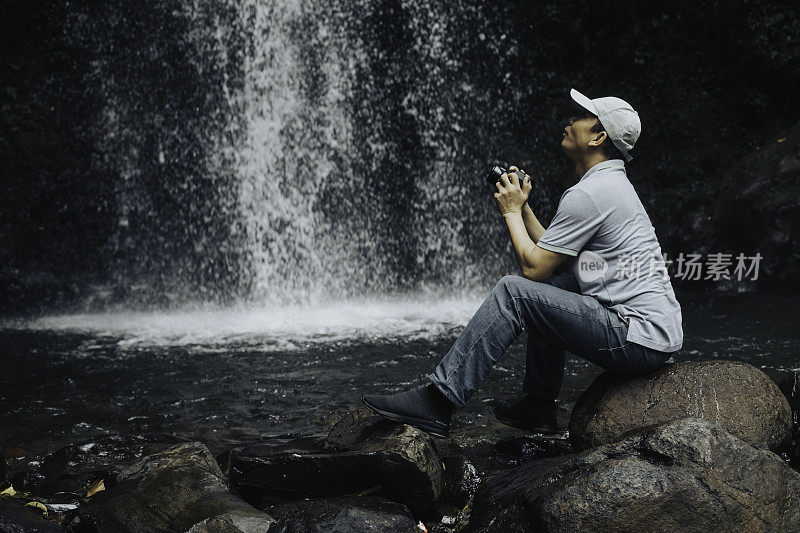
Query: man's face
[{"x": 577, "y": 135}]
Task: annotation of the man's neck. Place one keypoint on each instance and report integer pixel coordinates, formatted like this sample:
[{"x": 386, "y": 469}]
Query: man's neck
[{"x": 584, "y": 164}]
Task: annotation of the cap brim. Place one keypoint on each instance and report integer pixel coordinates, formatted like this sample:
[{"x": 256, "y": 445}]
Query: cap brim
[{"x": 583, "y": 101}]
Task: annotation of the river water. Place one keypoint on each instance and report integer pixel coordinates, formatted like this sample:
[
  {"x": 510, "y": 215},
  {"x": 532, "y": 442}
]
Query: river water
[{"x": 234, "y": 376}]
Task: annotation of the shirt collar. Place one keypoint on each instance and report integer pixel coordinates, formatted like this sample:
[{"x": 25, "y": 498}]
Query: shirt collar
[{"x": 611, "y": 163}]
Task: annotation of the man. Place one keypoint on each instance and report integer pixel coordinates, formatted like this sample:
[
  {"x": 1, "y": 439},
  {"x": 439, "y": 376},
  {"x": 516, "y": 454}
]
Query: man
[{"x": 614, "y": 306}]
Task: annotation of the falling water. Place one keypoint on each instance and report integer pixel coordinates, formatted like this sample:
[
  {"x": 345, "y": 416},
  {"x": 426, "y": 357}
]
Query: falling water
[
  {"x": 336, "y": 151},
  {"x": 355, "y": 163},
  {"x": 284, "y": 154}
]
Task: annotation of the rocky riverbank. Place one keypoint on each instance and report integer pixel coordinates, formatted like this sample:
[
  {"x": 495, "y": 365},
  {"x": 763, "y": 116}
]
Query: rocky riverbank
[{"x": 690, "y": 447}]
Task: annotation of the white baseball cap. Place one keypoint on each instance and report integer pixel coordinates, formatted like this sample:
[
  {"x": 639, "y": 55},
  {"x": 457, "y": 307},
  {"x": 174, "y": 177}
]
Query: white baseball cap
[{"x": 619, "y": 120}]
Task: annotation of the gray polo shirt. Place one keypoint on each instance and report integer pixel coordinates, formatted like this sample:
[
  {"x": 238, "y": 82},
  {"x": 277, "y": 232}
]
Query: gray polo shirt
[{"x": 601, "y": 221}]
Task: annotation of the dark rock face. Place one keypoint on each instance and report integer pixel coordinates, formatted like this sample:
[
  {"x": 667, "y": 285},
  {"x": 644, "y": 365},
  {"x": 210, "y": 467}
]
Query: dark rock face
[
  {"x": 358, "y": 513},
  {"x": 737, "y": 395},
  {"x": 235, "y": 521},
  {"x": 27, "y": 481},
  {"x": 461, "y": 480},
  {"x": 362, "y": 451},
  {"x": 513, "y": 451},
  {"x": 684, "y": 475},
  {"x": 179, "y": 489},
  {"x": 16, "y": 517},
  {"x": 3, "y": 469},
  {"x": 74, "y": 467},
  {"x": 758, "y": 208}
]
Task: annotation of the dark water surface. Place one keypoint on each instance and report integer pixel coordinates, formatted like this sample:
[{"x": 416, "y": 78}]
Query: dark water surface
[{"x": 59, "y": 385}]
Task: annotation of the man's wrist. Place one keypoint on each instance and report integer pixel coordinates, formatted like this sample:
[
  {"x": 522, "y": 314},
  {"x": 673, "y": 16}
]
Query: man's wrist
[{"x": 512, "y": 214}]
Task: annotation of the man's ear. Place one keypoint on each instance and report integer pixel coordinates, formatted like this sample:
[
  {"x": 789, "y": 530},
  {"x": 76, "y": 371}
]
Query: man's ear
[{"x": 598, "y": 139}]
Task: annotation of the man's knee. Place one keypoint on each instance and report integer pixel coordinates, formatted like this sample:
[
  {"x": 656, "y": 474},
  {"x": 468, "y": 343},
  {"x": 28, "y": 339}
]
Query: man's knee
[
  {"x": 517, "y": 285},
  {"x": 509, "y": 280}
]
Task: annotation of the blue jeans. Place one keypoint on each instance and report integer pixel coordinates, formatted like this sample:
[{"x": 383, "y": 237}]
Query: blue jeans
[{"x": 556, "y": 317}]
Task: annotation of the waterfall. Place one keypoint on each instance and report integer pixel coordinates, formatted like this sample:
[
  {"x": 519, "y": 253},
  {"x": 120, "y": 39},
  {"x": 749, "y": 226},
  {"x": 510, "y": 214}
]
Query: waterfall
[
  {"x": 294, "y": 152},
  {"x": 359, "y": 167},
  {"x": 299, "y": 73}
]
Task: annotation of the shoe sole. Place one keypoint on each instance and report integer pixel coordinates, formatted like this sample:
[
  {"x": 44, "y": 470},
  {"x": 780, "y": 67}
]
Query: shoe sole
[
  {"x": 544, "y": 430},
  {"x": 411, "y": 421}
]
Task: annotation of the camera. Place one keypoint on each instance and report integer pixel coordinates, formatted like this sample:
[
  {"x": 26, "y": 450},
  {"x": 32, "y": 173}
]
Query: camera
[{"x": 497, "y": 171}]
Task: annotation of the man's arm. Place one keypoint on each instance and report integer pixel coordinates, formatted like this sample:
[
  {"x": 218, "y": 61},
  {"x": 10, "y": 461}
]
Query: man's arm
[
  {"x": 532, "y": 224},
  {"x": 536, "y": 263}
]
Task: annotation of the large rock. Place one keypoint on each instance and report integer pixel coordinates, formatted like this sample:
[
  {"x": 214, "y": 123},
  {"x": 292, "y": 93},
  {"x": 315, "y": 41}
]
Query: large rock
[
  {"x": 110, "y": 453},
  {"x": 363, "y": 451},
  {"x": 737, "y": 395},
  {"x": 179, "y": 489},
  {"x": 790, "y": 386},
  {"x": 73, "y": 468},
  {"x": 461, "y": 480},
  {"x": 27, "y": 481},
  {"x": 518, "y": 449},
  {"x": 233, "y": 521},
  {"x": 684, "y": 475},
  {"x": 356, "y": 513},
  {"x": 17, "y": 517}
]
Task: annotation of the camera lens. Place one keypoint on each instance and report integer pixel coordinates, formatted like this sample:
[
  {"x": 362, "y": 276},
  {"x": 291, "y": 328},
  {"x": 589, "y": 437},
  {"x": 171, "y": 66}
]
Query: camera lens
[{"x": 494, "y": 174}]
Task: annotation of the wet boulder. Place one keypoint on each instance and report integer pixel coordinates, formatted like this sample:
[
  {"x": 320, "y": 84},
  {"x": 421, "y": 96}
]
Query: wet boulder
[
  {"x": 354, "y": 513},
  {"x": 108, "y": 453},
  {"x": 179, "y": 489},
  {"x": 233, "y": 521},
  {"x": 790, "y": 386},
  {"x": 18, "y": 517},
  {"x": 27, "y": 481},
  {"x": 683, "y": 475},
  {"x": 362, "y": 451},
  {"x": 737, "y": 395},
  {"x": 66, "y": 474},
  {"x": 518, "y": 449},
  {"x": 461, "y": 480}
]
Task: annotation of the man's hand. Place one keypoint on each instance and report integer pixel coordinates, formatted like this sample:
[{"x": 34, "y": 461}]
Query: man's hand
[{"x": 511, "y": 195}]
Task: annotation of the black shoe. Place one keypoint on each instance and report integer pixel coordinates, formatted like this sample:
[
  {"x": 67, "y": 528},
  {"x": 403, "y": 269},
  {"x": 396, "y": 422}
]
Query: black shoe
[
  {"x": 530, "y": 414},
  {"x": 426, "y": 409}
]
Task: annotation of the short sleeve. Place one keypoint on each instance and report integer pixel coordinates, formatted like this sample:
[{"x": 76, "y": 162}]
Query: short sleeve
[{"x": 576, "y": 222}]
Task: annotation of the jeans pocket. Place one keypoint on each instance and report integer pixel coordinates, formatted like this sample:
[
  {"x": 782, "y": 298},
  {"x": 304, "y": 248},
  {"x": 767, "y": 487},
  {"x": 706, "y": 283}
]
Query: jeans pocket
[
  {"x": 616, "y": 330},
  {"x": 617, "y": 321}
]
